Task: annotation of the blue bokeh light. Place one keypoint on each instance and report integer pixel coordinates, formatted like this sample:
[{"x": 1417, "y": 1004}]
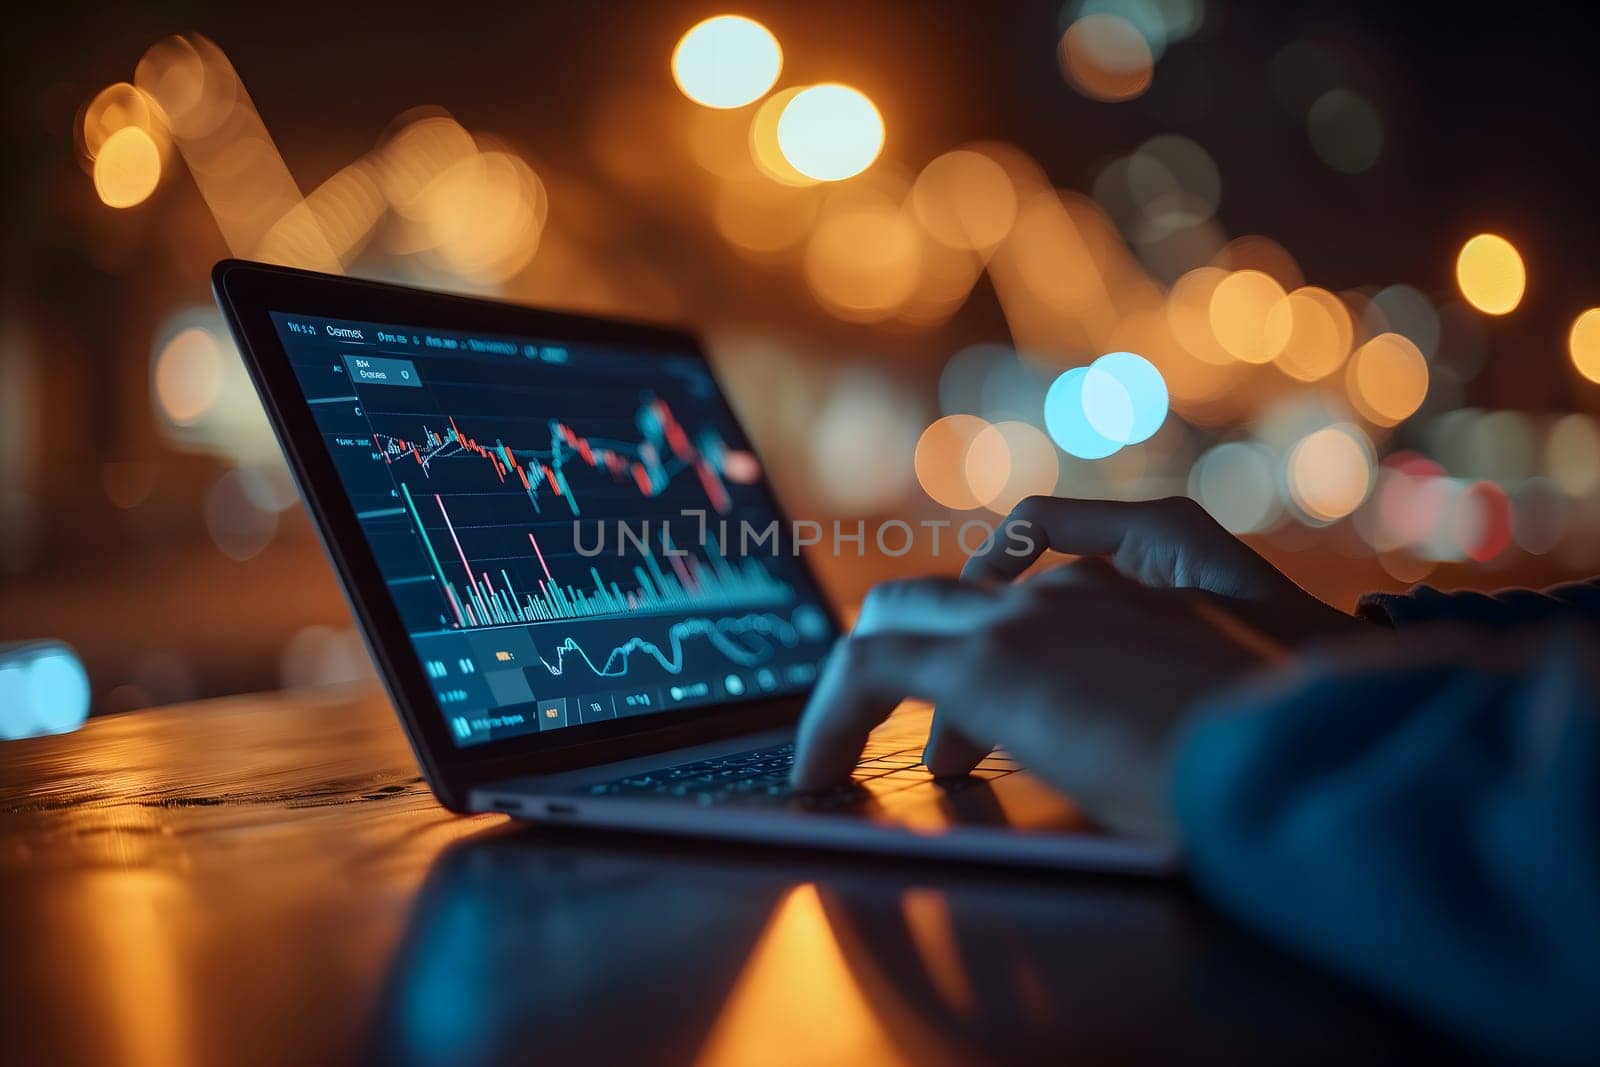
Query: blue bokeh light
[
  {"x": 1124, "y": 397},
  {"x": 1066, "y": 422},
  {"x": 43, "y": 690}
]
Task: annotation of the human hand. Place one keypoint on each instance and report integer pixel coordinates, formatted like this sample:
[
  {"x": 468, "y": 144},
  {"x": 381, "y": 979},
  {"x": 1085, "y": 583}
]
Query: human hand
[
  {"x": 1080, "y": 673},
  {"x": 1163, "y": 544}
]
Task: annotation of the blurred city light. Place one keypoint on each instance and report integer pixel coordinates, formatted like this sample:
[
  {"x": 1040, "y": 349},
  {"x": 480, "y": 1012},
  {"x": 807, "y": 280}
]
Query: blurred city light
[
  {"x": 1583, "y": 344},
  {"x": 1308, "y": 334},
  {"x": 1330, "y": 472},
  {"x": 115, "y": 108},
  {"x": 1237, "y": 483},
  {"x": 863, "y": 258},
  {"x": 1124, "y": 397},
  {"x": 1067, "y": 421},
  {"x": 1329, "y": 395},
  {"x": 726, "y": 61},
  {"x": 43, "y": 690},
  {"x": 127, "y": 167},
  {"x": 1239, "y": 309},
  {"x": 1346, "y": 131},
  {"x": 830, "y": 132},
  {"x": 188, "y": 376},
  {"x": 987, "y": 464},
  {"x": 1572, "y": 455},
  {"x": 1031, "y": 464},
  {"x": 941, "y": 460},
  {"x": 965, "y": 199},
  {"x": 1106, "y": 58},
  {"x": 1404, "y": 310},
  {"x": 1388, "y": 379},
  {"x": 763, "y": 140},
  {"x": 1491, "y": 275}
]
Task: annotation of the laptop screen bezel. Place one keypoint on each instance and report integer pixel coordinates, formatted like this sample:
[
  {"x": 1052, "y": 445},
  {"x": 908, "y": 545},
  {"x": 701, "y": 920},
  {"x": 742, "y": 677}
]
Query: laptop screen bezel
[{"x": 248, "y": 293}]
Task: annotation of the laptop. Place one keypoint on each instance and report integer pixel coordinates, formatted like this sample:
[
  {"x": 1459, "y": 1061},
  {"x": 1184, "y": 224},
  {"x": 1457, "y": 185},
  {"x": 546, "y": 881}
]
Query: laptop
[{"x": 577, "y": 584}]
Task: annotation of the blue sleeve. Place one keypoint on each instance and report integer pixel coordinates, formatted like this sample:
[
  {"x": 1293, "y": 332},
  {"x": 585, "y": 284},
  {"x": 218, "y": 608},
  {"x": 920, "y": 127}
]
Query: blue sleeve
[
  {"x": 1424, "y": 818},
  {"x": 1574, "y": 601}
]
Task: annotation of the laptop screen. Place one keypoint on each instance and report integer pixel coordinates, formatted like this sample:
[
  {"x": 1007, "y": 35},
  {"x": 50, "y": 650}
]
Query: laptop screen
[{"x": 570, "y": 533}]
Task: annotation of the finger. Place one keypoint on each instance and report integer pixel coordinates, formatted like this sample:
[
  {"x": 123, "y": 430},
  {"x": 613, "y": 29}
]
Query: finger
[
  {"x": 951, "y": 751},
  {"x": 927, "y": 605},
  {"x": 866, "y": 676},
  {"x": 1144, "y": 539},
  {"x": 1090, "y": 572}
]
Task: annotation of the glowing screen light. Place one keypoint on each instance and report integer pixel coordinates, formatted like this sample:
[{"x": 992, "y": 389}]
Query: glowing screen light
[
  {"x": 726, "y": 62},
  {"x": 830, "y": 132},
  {"x": 1491, "y": 275}
]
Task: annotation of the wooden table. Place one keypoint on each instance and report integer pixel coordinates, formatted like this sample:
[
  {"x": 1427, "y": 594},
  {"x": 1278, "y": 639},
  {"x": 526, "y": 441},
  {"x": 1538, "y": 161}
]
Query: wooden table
[{"x": 267, "y": 880}]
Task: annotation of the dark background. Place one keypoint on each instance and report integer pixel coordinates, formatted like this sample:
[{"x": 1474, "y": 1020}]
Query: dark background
[{"x": 1489, "y": 115}]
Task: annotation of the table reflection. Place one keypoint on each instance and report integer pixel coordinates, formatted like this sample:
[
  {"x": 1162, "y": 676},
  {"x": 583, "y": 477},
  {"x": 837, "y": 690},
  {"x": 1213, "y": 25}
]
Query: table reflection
[{"x": 566, "y": 946}]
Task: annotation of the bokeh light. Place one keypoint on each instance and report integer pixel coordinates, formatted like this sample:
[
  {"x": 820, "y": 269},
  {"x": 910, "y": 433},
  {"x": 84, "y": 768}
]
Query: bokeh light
[
  {"x": 862, "y": 260},
  {"x": 763, "y": 216},
  {"x": 1388, "y": 379},
  {"x": 1124, "y": 397},
  {"x": 1346, "y": 131},
  {"x": 318, "y": 656},
  {"x": 1330, "y": 472},
  {"x": 127, "y": 168},
  {"x": 965, "y": 200},
  {"x": 1540, "y": 515},
  {"x": 1572, "y": 454},
  {"x": 43, "y": 690},
  {"x": 830, "y": 132},
  {"x": 726, "y": 61},
  {"x": 941, "y": 460},
  {"x": 1238, "y": 311},
  {"x": 1106, "y": 58},
  {"x": 114, "y": 108},
  {"x": 238, "y": 526},
  {"x": 864, "y": 443},
  {"x": 1068, "y": 424},
  {"x": 188, "y": 376},
  {"x": 1189, "y": 314},
  {"x": 1480, "y": 521},
  {"x": 1491, "y": 274},
  {"x": 1404, "y": 310},
  {"x": 763, "y": 140},
  {"x": 1255, "y": 252},
  {"x": 1583, "y": 344},
  {"x": 1236, "y": 483},
  {"x": 1032, "y": 465},
  {"x": 987, "y": 464},
  {"x": 485, "y": 214},
  {"x": 193, "y": 83},
  {"x": 1308, "y": 334}
]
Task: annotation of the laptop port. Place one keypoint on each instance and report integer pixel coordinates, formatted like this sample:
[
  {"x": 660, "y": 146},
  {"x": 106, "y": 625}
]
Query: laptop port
[{"x": 560, "y": 809}]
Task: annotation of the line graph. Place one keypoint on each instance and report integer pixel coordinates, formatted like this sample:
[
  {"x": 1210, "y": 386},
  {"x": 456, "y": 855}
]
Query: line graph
[
  {"x": 484, "y": 483},
  {"x": 664, "y": 451},
  {"x": 745, "y": 640}
]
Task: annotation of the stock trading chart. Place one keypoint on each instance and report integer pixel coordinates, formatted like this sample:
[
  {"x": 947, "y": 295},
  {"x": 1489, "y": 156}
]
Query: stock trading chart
[{"x": 569, "y": 533}]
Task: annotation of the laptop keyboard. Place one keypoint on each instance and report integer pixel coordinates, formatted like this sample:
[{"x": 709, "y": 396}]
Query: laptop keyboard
[{"x": 760, "y": 778}]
